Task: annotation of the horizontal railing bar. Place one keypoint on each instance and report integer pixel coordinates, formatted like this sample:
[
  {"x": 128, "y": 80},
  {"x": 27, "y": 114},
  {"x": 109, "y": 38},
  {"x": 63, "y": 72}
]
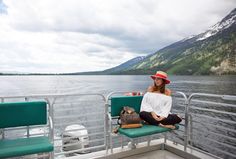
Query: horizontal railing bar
[
  {"x": 70, "y": 123},
  {"x": 47, "y": 133},
  {"x": 53, "y": 95},
  {"x": 211, "y": 132},
  {"x": 79, "y": 150},
  {"x": 36, "y": 157},
  {"x": 212, "y": 110},
  {"x": 215, "y": 103},
  {"x": 229, "y": 97},
  {"x": 74, "y": 101},
  {"x": 23, "y": 136},
  {"x": 92, "y": 134},
  {"x": 227, "y": 121},
  {"x": 220, "y": 143},
  {"x": 25, "y": 127},
  {"x": 79, "y": 142},
  {"x": 179, "y": 105},
  {"x": 76, "y": 104},
  {"x": 214, "y": 148},
  {"x": 216, "y": 126},
  {"x": 174, "y": 93},
  {"x": 76, "y": 108},
  {"x": 77, "y": 116},
  {"x": 178, "y": 98},
  {"x": 225, "y": 97}
]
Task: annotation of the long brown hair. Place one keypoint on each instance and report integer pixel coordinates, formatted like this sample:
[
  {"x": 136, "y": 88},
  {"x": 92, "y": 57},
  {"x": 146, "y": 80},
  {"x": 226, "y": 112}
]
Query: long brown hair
[{"x": 161, "y": 88}]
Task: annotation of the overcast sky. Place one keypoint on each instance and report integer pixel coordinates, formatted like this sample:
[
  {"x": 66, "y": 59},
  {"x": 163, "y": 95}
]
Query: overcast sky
[{"x": 87, "y": 35}]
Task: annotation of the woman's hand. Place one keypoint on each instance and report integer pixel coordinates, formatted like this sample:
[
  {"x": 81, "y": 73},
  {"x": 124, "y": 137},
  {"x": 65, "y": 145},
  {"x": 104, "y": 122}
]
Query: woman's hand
[
  {"x": 156, "y": 117},
  {"x": 160, "y": 118}
]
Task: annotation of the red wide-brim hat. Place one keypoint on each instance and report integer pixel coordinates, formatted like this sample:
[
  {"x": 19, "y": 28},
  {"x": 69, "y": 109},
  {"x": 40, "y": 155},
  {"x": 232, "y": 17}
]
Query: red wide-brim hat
[{"x": 162, "y": 75}]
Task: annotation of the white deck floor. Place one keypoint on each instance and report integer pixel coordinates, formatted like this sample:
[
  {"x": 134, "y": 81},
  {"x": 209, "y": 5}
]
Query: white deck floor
[{"x": 160, "y": 154}]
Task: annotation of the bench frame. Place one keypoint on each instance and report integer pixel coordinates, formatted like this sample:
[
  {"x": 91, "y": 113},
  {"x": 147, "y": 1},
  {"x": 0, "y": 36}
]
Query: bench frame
[
  {"x": 109, "y": 124},
  {"x": 49, "y": 124}
]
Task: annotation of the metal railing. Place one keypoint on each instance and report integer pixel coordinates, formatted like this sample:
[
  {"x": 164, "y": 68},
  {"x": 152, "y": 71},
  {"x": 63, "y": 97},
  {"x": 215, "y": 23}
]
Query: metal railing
[
  {"x": 212, "y": 124},
  {"x": 75, "y": 117},
  {"x": 214, "y": 118}
]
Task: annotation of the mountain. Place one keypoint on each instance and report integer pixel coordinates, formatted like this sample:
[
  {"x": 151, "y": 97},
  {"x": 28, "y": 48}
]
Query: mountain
[
  {"x": 124, "y": 66},
  {"x": 114, "y": 70},
  {"x": 211, "y": 52}
]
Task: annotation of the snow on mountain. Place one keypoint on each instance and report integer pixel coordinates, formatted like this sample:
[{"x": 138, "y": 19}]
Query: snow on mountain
[{"x": 224, "y": 24}]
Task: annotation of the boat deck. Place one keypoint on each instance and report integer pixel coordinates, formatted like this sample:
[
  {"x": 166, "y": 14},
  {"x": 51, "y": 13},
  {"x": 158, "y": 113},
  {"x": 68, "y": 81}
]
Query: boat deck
[
  {"x": 157, "y": 149},
  {"x": 155, "y": 154}
]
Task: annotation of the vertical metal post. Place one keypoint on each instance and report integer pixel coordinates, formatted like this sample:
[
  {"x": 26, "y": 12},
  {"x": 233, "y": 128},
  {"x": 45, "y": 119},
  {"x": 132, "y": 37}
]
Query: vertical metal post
[
  {"x": 122, "y": 145},
  {"x": 3, "y": 133},
  {"x": 111, "y": 143},
  {"x": 186, "y": 125},
  {"x": 149, "y": 140},
  {"x": 106, "y": 126},
  {"x": 165, "y": 138},
  {"x": 27, "y": 127},
  {"x": 28, "y": 132},
  {"x": 51, "y": 114},
  {"x": 2, "y": 130},
  {"x": 109, "y": 126},
  {"x": 191, "y": 130},
  {"x": 133, "y": 144}
]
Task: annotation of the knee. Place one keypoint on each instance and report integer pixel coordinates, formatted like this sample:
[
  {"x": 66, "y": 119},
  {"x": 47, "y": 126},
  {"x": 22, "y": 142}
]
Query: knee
[{"x": 142, "y": 114}]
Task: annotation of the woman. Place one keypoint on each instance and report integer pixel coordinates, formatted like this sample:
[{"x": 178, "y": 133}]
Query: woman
[{"x": 156, "y": 103}]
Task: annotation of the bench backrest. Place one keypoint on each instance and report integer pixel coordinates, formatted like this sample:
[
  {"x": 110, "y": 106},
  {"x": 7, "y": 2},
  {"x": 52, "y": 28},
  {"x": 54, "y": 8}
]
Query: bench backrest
[
  {"x": 23, "y": 114},
  {"x": 117, "y": 103}
]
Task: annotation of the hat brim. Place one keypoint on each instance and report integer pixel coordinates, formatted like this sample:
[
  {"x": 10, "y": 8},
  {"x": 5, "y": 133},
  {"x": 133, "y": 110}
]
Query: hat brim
[{"x": 166, "y": 80}]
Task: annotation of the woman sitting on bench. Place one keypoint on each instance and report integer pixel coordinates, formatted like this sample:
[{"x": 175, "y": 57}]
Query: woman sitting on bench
[{"x": 157, "y": 102}]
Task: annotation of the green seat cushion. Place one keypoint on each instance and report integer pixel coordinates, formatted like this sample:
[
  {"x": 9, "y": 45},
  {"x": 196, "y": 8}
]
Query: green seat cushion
[
  {"x": 144, "y": 131},
  {"x": 24, "y": 146}
]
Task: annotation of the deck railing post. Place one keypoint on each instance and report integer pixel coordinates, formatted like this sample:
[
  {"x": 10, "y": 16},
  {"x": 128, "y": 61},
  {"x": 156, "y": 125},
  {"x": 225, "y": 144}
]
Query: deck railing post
[
  {"x": 190, "y": 130},
  {"x": 27, "y": 128},
  {"x": 186, "y": 124},
  {"x": 2, "y": 130},
  {"x": 106, "y": 126}
]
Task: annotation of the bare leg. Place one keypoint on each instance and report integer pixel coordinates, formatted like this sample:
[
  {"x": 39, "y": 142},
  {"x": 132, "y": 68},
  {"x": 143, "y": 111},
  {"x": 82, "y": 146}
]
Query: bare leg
[{"x": 167, "y": 126}]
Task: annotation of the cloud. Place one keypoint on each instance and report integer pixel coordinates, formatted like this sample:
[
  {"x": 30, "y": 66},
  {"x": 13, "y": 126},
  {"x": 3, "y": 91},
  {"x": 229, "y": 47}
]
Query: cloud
[{"x": 76, "y": 35}]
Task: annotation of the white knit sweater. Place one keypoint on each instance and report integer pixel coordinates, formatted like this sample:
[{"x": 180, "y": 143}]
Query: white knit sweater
[{"x": 156, "y": 102}]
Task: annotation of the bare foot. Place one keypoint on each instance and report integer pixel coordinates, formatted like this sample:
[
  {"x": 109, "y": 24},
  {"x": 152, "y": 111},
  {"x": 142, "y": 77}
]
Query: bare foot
[{"x": 167, "y": 126}]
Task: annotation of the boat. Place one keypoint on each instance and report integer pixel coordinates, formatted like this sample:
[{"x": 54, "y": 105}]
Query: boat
[{"x": 85, "y": 128}]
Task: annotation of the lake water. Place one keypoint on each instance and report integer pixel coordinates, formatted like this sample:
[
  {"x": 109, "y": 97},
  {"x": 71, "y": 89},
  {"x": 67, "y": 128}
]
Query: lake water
[{"x": 29, "y": 85}]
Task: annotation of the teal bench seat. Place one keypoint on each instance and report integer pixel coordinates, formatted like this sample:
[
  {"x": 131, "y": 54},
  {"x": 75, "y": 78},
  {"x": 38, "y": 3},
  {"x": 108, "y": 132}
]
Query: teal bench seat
[
  {"x": 24, "y": 146},
  {"x": 117, "y": 103},
  {"x": 145, "y": 130},
  {"x": 20, "y": 114}
]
